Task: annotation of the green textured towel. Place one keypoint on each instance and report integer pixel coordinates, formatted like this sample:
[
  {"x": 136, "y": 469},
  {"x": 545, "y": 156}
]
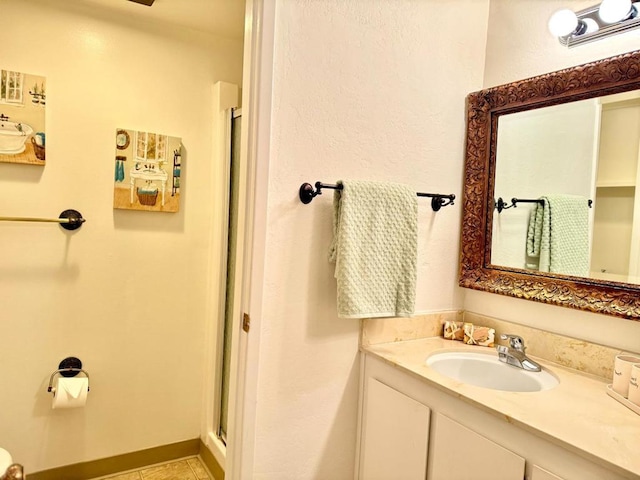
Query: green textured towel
[
  {"x": 558, "y": 235},
  {"x": 374, "y": 247}
]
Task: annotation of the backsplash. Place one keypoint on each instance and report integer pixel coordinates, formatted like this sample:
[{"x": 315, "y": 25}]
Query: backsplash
[
  {"x": 570, "y": 352},
  {"x": 399, "y": 329}
]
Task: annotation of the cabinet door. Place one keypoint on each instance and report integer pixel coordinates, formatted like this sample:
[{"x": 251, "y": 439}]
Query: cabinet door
[
  {"x": 458, "y": 453},
  {"x": 538, "y": 473},
  {"x": 395, "y": 435}
]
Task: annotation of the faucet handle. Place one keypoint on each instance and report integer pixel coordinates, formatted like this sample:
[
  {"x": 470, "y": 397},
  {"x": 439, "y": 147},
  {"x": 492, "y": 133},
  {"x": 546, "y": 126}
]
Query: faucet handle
[{"x": 516, "y": 342}]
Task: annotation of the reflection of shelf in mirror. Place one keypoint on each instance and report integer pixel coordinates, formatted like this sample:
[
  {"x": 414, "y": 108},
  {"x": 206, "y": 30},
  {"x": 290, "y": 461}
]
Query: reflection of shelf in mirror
[
  {"x": 624, "y": 99},
  {"x": 612, "y": 277},
  {"x": 614, "y": 183}
]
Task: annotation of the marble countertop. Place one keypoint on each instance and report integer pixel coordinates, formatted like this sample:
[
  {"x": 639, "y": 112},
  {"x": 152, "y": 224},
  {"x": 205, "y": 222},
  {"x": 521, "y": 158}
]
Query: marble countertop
[{"x": 577, "y": 414}]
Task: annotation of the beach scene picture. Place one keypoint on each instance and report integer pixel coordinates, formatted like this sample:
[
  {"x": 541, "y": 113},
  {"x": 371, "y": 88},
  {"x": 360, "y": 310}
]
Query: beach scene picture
[
  {"x": 22, "y": 118},
  {"x": 147, "y": 171}
]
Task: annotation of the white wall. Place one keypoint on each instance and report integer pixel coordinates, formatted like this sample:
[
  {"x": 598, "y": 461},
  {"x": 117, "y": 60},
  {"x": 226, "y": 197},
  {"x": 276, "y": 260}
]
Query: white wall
[
  {"x": 361, "y": 89},
  {"x": 128, "y": 293},
  {"x": 520, "y": 46}
]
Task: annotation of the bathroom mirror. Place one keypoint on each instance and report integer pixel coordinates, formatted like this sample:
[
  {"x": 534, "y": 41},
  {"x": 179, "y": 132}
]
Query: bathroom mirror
[
  {"x": 587, "y": 149},
  {"x": 122, "y": 139},
  {"x": 488, "y": 162}
]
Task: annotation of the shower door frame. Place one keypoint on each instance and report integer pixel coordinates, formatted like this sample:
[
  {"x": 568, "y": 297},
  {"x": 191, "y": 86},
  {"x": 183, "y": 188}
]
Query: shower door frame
[{"x": 254, "y": 164}]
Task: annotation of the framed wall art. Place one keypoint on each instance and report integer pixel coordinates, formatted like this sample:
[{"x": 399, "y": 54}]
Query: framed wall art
[{"x": 147, "y": 171}]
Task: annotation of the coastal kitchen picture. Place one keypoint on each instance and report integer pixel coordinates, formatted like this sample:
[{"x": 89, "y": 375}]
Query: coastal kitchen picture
[
  {"x": 22, "y": 118},
  {"x": 147, "y": 171}
]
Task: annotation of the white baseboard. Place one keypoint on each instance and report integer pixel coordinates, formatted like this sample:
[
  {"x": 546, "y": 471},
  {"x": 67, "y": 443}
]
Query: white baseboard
[{"x": 217, "y": 448}]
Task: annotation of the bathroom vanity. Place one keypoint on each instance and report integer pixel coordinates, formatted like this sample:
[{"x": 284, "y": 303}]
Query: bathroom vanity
[{"x": 415, "y": 423}]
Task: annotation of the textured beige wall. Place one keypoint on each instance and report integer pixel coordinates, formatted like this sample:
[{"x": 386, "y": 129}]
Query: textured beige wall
[
  {"x": 519, "y": 46},
  {"x": 366, "y": 90},
  {"x": 128, "y": 293}
]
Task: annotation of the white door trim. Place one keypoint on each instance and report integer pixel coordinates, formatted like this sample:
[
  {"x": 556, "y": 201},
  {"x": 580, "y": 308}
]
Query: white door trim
[{"x": 255, "y": 145}]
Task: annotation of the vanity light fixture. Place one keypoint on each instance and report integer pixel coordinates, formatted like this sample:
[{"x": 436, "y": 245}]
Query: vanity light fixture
[{"x": 594, "y": 23}]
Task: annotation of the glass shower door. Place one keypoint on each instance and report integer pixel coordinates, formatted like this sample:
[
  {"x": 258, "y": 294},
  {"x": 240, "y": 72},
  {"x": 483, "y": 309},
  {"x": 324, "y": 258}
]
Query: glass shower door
[{"x": 232, "y": 247}]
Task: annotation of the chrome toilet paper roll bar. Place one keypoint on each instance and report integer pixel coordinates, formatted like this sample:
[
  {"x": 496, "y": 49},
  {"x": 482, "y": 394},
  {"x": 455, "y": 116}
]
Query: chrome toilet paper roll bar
[{"x": 69, "y": 367}]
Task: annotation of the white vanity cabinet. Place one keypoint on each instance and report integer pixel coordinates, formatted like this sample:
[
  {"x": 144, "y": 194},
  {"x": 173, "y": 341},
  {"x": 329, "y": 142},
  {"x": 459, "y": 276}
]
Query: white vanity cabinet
[
  {"x": 395, "y": 433},
  {"x": 410, "y": 428},
  {"x": 458, "y": 453}
]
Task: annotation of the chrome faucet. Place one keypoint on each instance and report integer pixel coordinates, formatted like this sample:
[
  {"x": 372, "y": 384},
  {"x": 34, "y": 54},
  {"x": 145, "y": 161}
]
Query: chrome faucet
[{"x": 514, "y": 354}]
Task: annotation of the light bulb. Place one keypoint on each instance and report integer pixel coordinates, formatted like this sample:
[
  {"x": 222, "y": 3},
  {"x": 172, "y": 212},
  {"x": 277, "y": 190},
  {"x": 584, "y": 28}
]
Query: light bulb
[
  {"x": 612, "y": 11},
  {"x": 563, "y": 23},
  {"x": 592, "y": 25}
]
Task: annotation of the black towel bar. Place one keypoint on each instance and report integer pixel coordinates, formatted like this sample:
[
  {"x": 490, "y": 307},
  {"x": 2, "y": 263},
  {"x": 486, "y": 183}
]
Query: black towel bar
[
  {"x": 308, "y": 193},
  {"x": 501, "y": 205}
]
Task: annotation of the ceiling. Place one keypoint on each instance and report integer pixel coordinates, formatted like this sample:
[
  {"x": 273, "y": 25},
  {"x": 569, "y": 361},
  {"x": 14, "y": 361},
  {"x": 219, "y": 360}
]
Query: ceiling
[{"x": 217, "y": 17}]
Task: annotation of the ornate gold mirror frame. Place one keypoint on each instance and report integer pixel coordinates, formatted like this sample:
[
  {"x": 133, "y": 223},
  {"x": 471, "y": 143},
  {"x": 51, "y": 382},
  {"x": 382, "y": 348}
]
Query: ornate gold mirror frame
[{"x": 604, "y": 77}]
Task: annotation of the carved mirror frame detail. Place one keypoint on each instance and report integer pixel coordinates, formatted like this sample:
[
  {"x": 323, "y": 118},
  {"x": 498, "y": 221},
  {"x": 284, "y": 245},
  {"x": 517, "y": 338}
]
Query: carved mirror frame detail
[{"x": 603, "y": 77}]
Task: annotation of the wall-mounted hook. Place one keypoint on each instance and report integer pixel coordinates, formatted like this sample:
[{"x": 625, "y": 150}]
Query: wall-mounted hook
[
  {"x": 307, "y": 193},
  {"x": 501, "y": 205},
  {"x": 439, "y": 201}
]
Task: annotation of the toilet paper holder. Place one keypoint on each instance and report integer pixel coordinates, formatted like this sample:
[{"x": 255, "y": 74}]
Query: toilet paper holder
[{"x": 69, "y": 367}]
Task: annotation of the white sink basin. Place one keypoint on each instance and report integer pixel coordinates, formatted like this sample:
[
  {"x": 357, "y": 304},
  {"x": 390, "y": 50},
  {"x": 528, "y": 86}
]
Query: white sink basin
[{"x": 485, "y": 370}]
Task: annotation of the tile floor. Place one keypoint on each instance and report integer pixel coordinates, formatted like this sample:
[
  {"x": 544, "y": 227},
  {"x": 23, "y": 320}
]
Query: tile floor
[{"x": 190, "y": 468}]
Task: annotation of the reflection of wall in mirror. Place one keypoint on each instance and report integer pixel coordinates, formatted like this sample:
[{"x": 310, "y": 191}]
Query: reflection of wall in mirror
[
  {"x": 616, "y": 233},
  {"x": 549, "y": 150}
]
